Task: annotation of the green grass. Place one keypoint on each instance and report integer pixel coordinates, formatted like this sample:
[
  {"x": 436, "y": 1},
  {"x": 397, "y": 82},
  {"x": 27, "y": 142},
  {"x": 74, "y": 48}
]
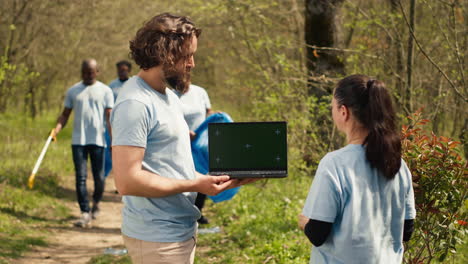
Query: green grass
[
  {"x": 25, "y": 214},
  {"x": 463, "y": 253},
  {"x": 24, "y": 217},
  {"x": 259, "y": 225}
]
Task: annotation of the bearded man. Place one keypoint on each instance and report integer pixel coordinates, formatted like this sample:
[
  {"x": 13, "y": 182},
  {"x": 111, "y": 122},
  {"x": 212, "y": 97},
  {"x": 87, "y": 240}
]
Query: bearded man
[{"x": 153, "y": 165}]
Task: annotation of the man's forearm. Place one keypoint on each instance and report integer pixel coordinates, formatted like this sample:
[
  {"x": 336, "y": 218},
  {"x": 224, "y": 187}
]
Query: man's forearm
[
  {"x": 131, "y": 179},
  {"x": 147, "y": 184},
  {"x": 108, "y": 123},
  {"x": 62, "y": 120}
]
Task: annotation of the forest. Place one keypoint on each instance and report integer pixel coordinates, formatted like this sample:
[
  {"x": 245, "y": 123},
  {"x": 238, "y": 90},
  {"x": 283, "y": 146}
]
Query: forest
[{"x": 259, "y": 60}]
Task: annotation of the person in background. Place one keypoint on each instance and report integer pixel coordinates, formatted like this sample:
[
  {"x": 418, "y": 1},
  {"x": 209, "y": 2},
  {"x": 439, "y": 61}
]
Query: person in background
[
  {"x": 92, "y": 102},
  {"x": 196, "y": 107},
  {"x": 360, "y": 207},
  {"x": 123, "y": 71},
  {"x": 153, "y": 165}
]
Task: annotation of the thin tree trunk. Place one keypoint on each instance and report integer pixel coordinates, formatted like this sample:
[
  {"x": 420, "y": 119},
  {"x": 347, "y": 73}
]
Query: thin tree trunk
[
  {"x": 409, "y": 63},
  {"x": 464, "y": 137},
  {"x": 351, "y": 31},
  {"x": 32, "y": 100},
  {"x": 396, "y": 43}
]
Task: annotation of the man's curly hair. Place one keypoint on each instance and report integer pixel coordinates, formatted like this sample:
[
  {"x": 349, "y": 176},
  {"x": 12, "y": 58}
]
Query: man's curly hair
[{"x": 162, "y": 41}]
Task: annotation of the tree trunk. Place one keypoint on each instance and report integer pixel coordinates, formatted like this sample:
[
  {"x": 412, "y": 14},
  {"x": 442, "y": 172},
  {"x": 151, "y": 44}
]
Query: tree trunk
[
  {"x": 409, "y": 67},
  {"x": 321, "y": 30},
  {"x": 32, "y": 100},
  {"x": 464, "y": 137},
  {"x": 398, "y": 47}
]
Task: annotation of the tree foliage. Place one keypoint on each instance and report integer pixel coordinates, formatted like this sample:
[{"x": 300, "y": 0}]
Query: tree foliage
[
  {"x": 440, "y": 182},
  {"x": 252, "y": 58}
]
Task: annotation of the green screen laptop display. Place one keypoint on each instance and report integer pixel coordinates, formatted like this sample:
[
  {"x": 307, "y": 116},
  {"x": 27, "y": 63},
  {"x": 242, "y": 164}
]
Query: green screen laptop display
[{"x": 259, "y": 147}]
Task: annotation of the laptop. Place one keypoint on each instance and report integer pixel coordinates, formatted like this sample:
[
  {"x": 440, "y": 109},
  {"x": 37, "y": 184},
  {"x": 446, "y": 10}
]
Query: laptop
[{"x": 248, "y": 149}]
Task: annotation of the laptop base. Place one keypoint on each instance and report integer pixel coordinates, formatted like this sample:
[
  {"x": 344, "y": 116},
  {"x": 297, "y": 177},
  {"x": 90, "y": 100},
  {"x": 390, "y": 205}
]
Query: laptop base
[{"x": 251, "y": 174}]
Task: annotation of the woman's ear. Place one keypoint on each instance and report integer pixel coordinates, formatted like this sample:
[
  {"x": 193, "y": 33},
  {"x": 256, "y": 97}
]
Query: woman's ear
[{"x": 345, "y": 113}]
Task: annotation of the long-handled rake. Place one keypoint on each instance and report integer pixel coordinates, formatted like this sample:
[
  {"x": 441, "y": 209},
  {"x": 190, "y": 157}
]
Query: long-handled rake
[{"x": 39, "y": 160}]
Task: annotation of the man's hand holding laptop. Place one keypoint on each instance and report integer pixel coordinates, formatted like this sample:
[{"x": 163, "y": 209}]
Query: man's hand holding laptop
[{"x": 213, "y": 185}]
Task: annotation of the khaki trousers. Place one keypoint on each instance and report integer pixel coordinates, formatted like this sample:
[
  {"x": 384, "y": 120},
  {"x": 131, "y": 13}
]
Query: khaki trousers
[{"x": 145, "y": 252}]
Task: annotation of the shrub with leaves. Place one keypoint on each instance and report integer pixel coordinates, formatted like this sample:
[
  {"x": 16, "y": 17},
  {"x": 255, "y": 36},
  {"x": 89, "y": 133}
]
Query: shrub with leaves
[{"x": 440, "y": 185}]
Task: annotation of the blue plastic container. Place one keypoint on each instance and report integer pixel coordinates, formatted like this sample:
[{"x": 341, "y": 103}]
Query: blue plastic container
[{"x": 200, "y": 153}]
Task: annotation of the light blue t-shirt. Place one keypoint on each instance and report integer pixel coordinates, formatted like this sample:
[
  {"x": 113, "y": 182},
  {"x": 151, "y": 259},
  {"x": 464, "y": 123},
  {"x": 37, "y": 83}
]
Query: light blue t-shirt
[
  {"x": 116, "y": 85},
  {"x": 145, "y": 118},
  {"x": 89, "y": 103},
  {"x": 366, "y": 209},
  {"x": 195, "y": 102}
]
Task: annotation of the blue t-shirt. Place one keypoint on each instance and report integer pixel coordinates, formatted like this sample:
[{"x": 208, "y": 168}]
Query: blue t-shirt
[
  {"x": 366, "y": 209},
  {"x": 89, "y": 103},
  {"x": 195, "y": 102},
  {"x": 145, "y": 118},
  {"x": 116, "y": 85}
]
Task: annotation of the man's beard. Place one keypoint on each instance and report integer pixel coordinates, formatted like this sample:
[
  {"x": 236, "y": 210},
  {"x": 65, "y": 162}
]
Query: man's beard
[{"x": 177, "y": 80}]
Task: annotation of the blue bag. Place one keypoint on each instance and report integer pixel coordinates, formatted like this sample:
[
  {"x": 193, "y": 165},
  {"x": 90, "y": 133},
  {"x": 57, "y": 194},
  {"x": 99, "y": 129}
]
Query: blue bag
[
  {"x": 107, "y": 156},
  {"x": 200, "y": 153}
]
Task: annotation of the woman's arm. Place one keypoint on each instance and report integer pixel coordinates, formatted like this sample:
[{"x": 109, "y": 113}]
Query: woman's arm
[
  {"x": 408, "y": 229},
  {"x": 317, "y": 231}
]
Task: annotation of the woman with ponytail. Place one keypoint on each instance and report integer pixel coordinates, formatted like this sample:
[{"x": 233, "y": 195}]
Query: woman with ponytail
[{"x": 360, "y": 207}]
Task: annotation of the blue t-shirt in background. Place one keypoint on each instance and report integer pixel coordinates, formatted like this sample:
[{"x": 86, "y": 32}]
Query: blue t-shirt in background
[
  {"x": 116, "y": 85},
  {"x": 143, "y": 117},
  {"x": 89, "y": 103},
  {"x": 366, "y": 209}
]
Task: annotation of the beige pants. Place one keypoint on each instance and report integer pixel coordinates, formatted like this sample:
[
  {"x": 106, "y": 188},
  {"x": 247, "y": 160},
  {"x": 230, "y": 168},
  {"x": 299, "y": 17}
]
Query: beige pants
[{"x": 144, "y": 252}]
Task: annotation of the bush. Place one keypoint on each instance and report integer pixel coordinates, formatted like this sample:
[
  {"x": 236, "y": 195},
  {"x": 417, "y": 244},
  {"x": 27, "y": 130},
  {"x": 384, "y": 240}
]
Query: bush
[{"x": 439, "y": 180}]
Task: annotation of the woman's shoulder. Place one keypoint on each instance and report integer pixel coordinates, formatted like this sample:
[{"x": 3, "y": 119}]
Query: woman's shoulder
[
  {"x": 404, "y": 169},
  {"x": 345, "y": 153}
]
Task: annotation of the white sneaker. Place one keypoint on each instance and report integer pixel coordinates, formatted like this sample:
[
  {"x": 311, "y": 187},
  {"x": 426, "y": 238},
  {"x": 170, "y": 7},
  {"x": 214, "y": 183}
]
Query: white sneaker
[
  {"x": 95, "y": 211},
  {"x": 84, "y": 220}
]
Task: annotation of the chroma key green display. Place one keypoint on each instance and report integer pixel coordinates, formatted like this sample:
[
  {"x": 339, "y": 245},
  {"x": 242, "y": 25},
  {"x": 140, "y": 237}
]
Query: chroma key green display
[{"x": 248, "y": 146}]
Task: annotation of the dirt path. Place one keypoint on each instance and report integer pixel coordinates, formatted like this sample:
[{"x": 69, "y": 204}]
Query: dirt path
[{"x": 78, "y": 245}]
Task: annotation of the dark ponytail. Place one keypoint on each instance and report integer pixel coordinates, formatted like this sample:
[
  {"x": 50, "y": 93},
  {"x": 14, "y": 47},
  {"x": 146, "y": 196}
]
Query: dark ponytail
[{"x": 371, "y": 105}]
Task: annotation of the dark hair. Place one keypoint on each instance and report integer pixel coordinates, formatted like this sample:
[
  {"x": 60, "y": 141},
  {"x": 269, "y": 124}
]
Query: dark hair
[
  {"x": 162, "y": 41},
  {"x": 370, "y": 103},
  {"x": 124, "y": 62}
]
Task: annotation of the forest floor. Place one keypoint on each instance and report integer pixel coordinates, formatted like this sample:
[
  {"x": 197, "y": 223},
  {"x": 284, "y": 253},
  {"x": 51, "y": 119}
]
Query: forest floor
[{"x": 69, "y": 244}]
